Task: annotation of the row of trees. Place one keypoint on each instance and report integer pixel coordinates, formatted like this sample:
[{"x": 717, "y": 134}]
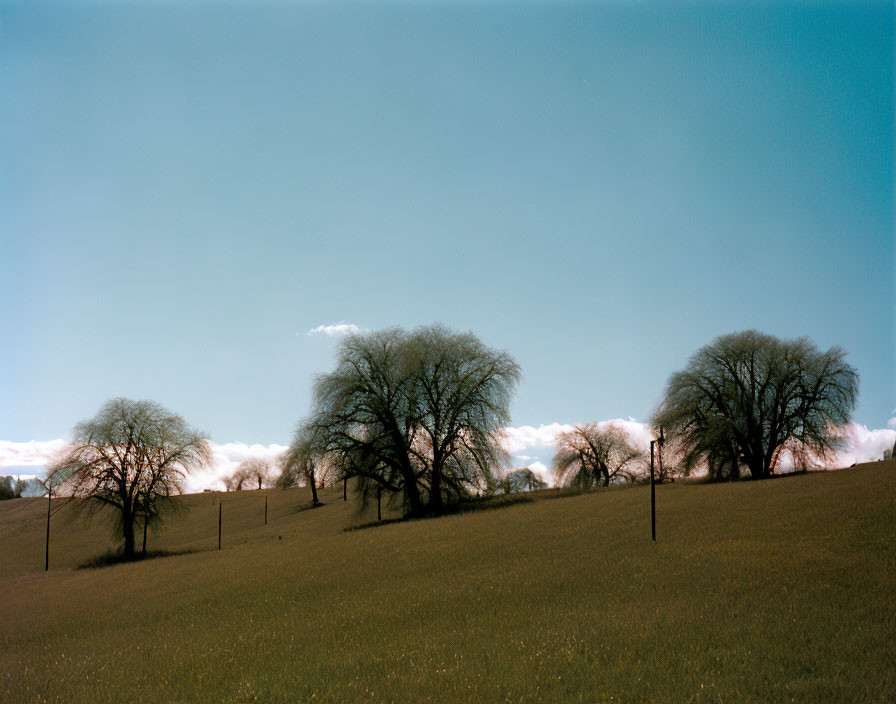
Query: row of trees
[{"x": 418, "y": 415}]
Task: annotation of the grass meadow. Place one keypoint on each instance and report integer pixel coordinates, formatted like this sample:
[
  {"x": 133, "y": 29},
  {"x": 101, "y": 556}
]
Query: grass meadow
[{"x": 783, "y": 590}]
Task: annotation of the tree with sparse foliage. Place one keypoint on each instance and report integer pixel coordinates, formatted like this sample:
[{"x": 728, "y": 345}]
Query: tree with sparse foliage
[
  {"x": 251, "y": 471},
  {"x": 132, "y": 458},
  {"x": 416, "y": 414},
  {"x": 592, "y": 455},
  {"x": 521, "y": 480},
  {"x": 302, "y": 462},
  {"x": 747, "y": 399}
]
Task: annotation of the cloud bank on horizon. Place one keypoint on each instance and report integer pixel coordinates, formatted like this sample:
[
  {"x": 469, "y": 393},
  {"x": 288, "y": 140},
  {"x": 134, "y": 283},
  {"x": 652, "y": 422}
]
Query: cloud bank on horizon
[{"x": 527, "y": 445}]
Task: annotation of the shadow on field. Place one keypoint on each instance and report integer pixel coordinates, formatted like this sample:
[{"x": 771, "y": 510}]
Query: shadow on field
[
  {"x": 114, "y": 557},
  {"x": 308, "y": 507},
  {"x": 468, "y": 506}
]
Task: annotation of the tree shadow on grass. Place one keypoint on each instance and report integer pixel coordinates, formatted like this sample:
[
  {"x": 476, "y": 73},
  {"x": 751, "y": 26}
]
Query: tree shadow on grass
[
  {"x": 115, "y": 557},
  {"x": 486, "y": 503}
]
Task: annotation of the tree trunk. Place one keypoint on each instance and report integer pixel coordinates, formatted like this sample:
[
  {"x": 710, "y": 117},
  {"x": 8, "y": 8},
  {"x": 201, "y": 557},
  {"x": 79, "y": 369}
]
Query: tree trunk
[
  {"x": 412, "y": 494},
  {"x": 144, "y": 535},
  {"x": 435, "y": 490},
  {"x": 127, "y": 520},
  {"x": 313, "y": 487}
]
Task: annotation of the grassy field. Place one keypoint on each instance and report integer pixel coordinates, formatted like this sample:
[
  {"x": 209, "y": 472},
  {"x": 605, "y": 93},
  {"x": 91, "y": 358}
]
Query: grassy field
[{"x": 783, "y": 590}]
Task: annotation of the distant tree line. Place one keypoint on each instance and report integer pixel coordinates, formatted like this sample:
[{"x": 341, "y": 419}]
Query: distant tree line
[{"x": 417, "y": 416}]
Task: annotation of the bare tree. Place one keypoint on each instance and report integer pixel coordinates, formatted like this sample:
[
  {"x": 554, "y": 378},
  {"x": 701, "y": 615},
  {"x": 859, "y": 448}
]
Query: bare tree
[
  {"x": 302, "y": 462},
  {"x": 521, "y": 480},
  {"x": 747, "y": 398},
  {"x": 252, "y": 470},
  {"x": 416, "y": 413},
  {"x": 593, "y": 455},
  {"x": 131, "y": 457}
]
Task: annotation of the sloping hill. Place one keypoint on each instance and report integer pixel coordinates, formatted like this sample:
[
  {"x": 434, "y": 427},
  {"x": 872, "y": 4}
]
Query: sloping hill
[
  {"x": 779, "y": 590},
  {"x": 76, "y": 537}
]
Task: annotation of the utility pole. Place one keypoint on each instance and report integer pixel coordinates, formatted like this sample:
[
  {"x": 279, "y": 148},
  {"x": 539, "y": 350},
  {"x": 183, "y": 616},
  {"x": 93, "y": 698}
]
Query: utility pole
[
  {"x": 652, "y": 496},
  {"x": 47, "y": 558},
  {"x": 265, "y": 509},
  {"x": 659, "y": 444},
  {"x": 220, "y": 511}
]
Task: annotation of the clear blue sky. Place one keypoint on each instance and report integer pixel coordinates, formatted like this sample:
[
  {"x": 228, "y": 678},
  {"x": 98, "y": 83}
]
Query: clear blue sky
[{"x": 598, "y": 188}]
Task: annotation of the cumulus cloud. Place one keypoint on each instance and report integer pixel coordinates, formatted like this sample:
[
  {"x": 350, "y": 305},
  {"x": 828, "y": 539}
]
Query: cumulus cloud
[
  {"x": 518, "y": 438},
  {"x": 335, "y": 329},
  {"x": 542, "y": 471},
  {"x": 862, "y": 445},
  {"x": 892, "y": 422},
  {"x": 225, "y": 459},
  {"x": 28, "y": 454}
]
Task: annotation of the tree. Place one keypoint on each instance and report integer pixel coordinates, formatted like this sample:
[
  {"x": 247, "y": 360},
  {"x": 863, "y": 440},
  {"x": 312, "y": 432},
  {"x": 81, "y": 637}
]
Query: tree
[
  {"x": 748, "y": 398},
  {"x": 14, "y": 487},
  {"x": 416, "y": 413},
  {"x": 522, "y": 480},
  {"x": 302, "y": 460},
  {"x": 131, "y": 457},
  {"x": 254, "y": 470},
  {"x": 592, "y": 455}
]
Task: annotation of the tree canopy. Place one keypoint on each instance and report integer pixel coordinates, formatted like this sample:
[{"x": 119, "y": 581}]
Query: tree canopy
[
  {"x": 131, "y": 457},
  {"x": 747, "y": 398},
  {"x": 253, "y": 472},
  {"x": 416, "y": 413},
  {"x": 592, "y": 455},
  {"x": 521, "y": 480}
]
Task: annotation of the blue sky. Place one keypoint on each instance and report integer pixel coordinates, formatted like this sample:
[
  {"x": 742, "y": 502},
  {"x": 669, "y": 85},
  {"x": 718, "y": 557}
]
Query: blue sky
[{"x": 186, "y": 191}]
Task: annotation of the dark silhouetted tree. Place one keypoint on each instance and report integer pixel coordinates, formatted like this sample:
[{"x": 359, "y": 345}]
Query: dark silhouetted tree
[
  {"x": 748, "y": 398},
  {"x": 522, "y": 480},
  {"x": 416, "y": 413},
  {"x": 131, "y": 458}
]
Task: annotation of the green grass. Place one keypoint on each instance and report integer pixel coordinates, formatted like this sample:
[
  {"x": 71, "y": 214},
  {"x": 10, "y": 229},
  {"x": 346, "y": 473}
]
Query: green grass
[{"x": 771, "y": 591}]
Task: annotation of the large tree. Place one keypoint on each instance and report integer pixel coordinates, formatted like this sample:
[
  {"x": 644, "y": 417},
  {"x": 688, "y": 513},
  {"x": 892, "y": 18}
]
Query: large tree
[
  {"x": 747, "y": 398},
  {"x": 416, "y": 413},
  {"x": 592, "y": 455},
  {"x": 132, "y": 458}
]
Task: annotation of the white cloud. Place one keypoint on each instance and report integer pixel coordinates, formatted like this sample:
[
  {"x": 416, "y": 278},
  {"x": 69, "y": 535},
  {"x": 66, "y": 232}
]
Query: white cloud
[
  {"x": 524, "y": 437},
  {"x": 892, "y": 422},
  {"x": 542, "y": 471},
  {"x": 225, "y": 458},
  {"x": 335, "y": 329},
  {"x": 28, "y": 454},
  {"x": 538, "y": 443},
  {"x": 862, "y": 445}
]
